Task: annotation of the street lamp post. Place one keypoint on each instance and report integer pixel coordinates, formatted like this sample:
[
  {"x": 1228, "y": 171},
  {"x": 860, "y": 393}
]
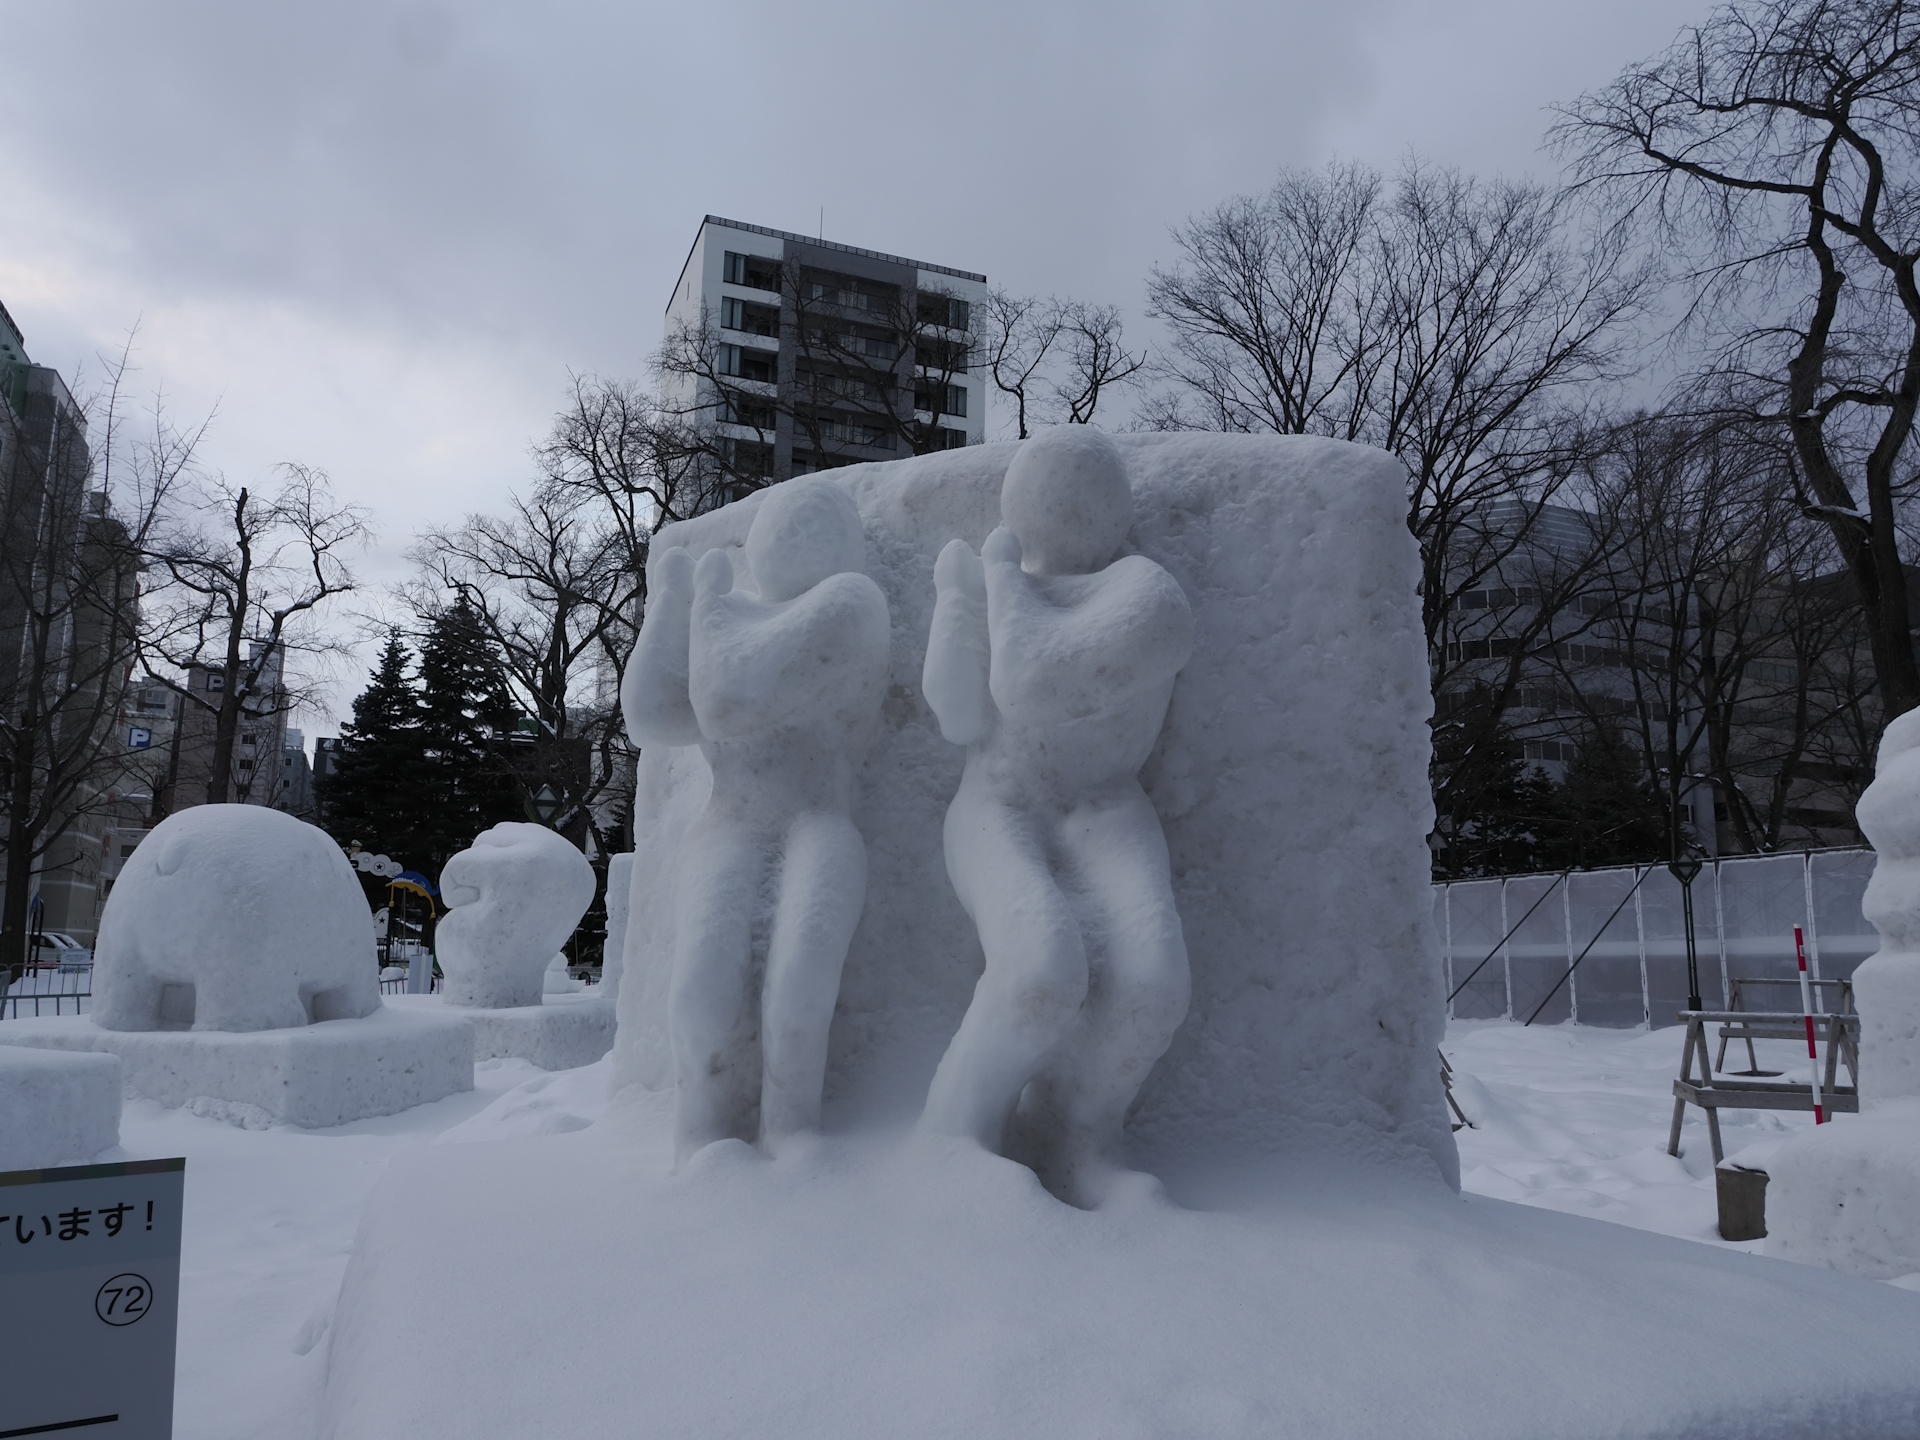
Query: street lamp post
[{"x": 1686, "y": 868}]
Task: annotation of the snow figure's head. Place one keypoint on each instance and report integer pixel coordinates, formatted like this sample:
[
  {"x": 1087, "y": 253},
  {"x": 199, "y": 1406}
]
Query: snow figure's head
[
  {"x": 1889, "y": 811},
  {"x": 1067, "y": 499},
  {"x": 806, "y": 530}
]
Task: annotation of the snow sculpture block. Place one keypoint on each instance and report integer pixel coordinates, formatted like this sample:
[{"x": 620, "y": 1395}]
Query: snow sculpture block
[
  {"x": 780, "y": 690},
  {"x": 514, "y": 896},
  {"x": 1847, "y": 1195},
  {"x": 59, "y": 1109},
  {"x": 561, "y": 1033},
  {"x": 327, "y": 1073},
  {"x": 234, "y": 918},
  {"x": 1052, "y": 659},
  {"x": 1289, "y": 780},
  {"x": 613, "y": 955}
]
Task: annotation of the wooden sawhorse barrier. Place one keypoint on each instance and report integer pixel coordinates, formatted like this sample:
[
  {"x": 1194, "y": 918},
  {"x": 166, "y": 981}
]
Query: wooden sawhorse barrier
[{"x": 1713, "y": 1093}]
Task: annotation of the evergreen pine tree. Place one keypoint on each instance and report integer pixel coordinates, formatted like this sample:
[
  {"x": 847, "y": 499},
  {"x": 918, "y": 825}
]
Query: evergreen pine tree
[
  {"x": 1608, "y": 813},
  {"x": 378, "y": 793},
  {"x": 466, "y": 717}
]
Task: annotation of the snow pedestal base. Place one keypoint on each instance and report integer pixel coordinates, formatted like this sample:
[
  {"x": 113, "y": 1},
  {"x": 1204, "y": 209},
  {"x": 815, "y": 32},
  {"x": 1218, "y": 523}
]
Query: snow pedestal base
[
  {"x": 565, "y": 1032},
  {"x": 59, "y": 1109},
  {"x": 318, "y": 1075},
  {"x": 1846, "y": 1195},
  {"x": 886, "y": 1287}
]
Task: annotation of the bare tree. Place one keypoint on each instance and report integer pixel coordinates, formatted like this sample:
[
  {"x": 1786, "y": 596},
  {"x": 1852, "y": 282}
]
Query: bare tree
[
  {"x": 1460, "y": 324},
  {"x": 1773, "y": 150},
  {"x": 1056, "y": 359},
  {"x": 236, "y": 582}
]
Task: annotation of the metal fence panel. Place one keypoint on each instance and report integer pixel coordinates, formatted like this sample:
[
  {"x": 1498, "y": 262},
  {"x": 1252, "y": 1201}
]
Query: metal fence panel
[
  {"x": 1762, "y": 898},
  {"x": 1473, "y": 927},
  {"x": 1537, "y": 954},
  {"x": 1842, "y": 936},
  {"x": 1607, "y": 984},
  {"x": 1744, "y": 910}
]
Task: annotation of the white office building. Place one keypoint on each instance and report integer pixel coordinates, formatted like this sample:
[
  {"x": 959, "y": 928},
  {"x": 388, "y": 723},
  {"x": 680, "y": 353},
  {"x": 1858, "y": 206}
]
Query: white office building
[{"x": 816, "y": 354}]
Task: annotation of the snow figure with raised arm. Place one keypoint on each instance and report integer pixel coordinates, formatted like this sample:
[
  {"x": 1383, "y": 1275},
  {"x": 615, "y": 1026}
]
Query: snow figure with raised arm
[
  {"x": 1053, "y": 663},
  {"x": 781, "y": 691}
]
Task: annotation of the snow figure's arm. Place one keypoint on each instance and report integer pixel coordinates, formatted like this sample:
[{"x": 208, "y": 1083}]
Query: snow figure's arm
[
  {"x": 1021, "y": 636},
  {"x": 954, "y": 679},
  {"x": 653, "y": 693}
]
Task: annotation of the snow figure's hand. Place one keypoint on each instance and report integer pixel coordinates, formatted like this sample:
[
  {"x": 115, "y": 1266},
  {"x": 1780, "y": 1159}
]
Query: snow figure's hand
[
  {"x": 714, "y": 574},
  {"x": 673, "y": 575},
  {"x": 958, "y": 570},
  {"x": 1002, "y": 548}
]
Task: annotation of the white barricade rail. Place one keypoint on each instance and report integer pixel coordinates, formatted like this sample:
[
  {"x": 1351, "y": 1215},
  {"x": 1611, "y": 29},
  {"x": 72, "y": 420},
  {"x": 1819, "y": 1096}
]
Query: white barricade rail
[{"x": 1634, "y": 969}]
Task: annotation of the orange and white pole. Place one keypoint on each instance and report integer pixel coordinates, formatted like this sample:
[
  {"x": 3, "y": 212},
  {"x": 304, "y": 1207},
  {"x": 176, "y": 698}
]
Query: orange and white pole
[{"x": 1806, "y": 1008}]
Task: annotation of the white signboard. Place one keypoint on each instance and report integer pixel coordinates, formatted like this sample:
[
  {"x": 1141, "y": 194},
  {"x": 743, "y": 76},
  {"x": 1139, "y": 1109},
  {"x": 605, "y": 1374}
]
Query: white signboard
[{"x": 90, "y": 1284}]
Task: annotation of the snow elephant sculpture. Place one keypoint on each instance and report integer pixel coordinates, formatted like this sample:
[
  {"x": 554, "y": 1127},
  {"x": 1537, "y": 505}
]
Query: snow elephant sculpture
[
  {"x": 234, "y": 917},
  {"x": 514, "y": 896}
]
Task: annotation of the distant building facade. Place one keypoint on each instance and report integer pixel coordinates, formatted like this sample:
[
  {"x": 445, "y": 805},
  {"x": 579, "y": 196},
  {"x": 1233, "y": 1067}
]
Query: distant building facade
[{"x": 817, "y": 354}]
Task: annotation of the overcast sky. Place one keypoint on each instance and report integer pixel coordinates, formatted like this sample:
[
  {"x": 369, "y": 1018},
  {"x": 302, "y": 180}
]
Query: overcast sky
[{"x": 377, "y": 236}]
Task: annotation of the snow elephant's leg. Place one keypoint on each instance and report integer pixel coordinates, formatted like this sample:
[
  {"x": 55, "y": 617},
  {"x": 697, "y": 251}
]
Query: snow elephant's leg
[{"x": 823, "y": 884}]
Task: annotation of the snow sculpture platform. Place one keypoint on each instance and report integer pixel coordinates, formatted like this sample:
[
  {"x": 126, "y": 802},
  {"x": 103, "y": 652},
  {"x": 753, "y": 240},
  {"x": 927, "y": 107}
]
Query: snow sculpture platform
[
  {"x": 327, "y": 1073},
  {"x": 60, "y": 1109},
  {"x": 564, "y": 1032},
  {"x": 871, "y": 1287}
]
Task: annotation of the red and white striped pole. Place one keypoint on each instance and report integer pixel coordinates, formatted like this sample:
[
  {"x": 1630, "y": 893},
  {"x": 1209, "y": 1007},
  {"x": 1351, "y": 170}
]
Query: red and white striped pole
[{"x": 1806, "y": 1008}]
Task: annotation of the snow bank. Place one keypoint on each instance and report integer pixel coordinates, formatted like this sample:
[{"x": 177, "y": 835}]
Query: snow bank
[
  {"x": 1290, "y": 780},
  {"x": 59, "y": 1109},
  {"x": 234, "y": 918},
  {"x": 613, "y": 953},
  {"x": 322, "y": 1074},
  {"x": 868, "y": 1287},
  {"x": 514, "y": 896}
]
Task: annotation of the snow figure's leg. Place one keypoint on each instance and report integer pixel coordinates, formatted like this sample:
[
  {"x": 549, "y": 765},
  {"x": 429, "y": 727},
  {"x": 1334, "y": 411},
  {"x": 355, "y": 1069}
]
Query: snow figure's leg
[
  {"x": 1035, "y": 976},
  {"x": 717, "y": 900},
  {"x": 1137, "y": 996},
  {"x": 823, "y": 884}
]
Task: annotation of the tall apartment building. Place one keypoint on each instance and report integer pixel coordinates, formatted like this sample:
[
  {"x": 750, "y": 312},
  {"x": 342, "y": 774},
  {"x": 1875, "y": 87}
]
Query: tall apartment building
[
  {"x": 797, "y": 354},
  {"x": 257, "y": 773}
]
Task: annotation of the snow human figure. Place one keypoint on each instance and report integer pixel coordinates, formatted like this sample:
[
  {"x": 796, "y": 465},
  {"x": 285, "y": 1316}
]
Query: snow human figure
[
  {"x": 782, "y": 693},
  {"x": 1053, "y": 663}
]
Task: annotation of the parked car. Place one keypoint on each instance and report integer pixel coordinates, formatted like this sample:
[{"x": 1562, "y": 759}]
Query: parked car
[{"x": 56, "y": 951}]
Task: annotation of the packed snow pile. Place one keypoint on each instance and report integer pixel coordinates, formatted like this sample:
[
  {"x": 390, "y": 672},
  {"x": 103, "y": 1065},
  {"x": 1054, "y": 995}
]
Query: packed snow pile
[
  {"x": 880, "y": 1286},
  {"x": 59, "y": 1109},
  {"x": 513, "y": 898},
  {"x": 234, "y": 918},
  {"x": 1847, "y": 1195},
  {"x": 1289, "y": 780}
]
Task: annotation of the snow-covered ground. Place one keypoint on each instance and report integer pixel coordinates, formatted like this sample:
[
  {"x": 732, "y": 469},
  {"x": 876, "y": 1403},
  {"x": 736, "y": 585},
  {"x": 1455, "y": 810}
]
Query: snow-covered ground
[
  {"x": 1575, "y": 1118},
  {"x": 1570, "y": 1119}
]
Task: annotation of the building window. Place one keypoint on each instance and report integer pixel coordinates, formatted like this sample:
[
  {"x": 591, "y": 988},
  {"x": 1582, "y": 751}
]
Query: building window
[
  {"x": 947, "y": 439},
  {"x": 848, "y": 292},
  {"x": 746, "y": 363},
  {"x": 952, "y": 402},
  {"x": 736, "y": 407},
  {"x": 948, "y": 357},
  {"x": 852, "y": 430},
  {"x": 753, "y": 319},
  {"x": 1559, "y": 750},
  {"x": 946, "y": 310},
  {"x": 754, "y": 272}
]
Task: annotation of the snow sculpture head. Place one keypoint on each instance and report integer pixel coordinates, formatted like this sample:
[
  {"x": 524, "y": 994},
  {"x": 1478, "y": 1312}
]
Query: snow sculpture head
[
  {"x": 1067, "y": 500},
  {"x": 514, "y": 897},
  {"x": 234, "y": 917},
  {"x": 806, "y": 530}
]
